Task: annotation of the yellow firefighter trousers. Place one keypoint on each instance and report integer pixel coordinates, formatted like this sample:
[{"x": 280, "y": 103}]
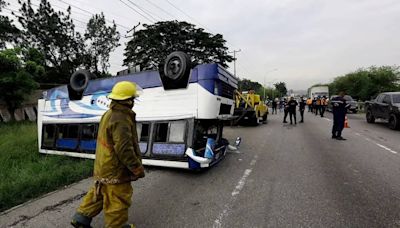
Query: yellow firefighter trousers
[{"x": 114, "y": 199}]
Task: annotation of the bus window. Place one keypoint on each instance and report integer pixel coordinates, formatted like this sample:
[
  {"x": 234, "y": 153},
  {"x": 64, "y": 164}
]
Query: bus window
[
  {"x": 87, "y": 143},
  {"x": 49, "y": 133},
  {"x": 177, "y": 131},
  {"x": 170, "y": 138},
  {"x": 161, "y": 131},
  {"x": 205, "y": 130},
  {"x": 143, "y": 131},
  {"x": 67, "y": 137}
]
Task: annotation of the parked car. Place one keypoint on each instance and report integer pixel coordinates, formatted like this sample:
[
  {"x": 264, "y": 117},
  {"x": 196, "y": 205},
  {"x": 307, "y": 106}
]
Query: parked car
[
  {"x": 349, "y": 100},
  {"x": 385, "y": 106}
]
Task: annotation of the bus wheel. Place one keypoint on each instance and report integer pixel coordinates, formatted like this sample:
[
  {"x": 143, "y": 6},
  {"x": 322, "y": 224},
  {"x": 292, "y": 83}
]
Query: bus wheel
[
  {"x": 177, "y": 65},
  {"x": 79, "y": 80}
]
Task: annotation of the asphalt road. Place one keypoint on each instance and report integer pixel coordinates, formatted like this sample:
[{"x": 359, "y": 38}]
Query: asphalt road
[{"x": 283, "y": 176}]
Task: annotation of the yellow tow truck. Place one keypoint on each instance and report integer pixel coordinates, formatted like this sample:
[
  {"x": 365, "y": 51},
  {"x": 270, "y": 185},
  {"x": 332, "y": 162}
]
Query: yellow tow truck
[{"x": 249, "y": 108}]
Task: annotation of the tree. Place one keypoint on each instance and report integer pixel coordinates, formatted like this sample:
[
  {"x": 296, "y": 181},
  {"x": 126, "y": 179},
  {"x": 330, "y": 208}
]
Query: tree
[
  {"x": 16, "y": 83},
  {"x": 9, "y": 32},
  {"x": 367, "y": 83},
  {"x": 246, "y": 85},
  {"x": 150, "y": 46},
  {"x": 281, "y": 88},
  {"x": 53, "y": 34},
  {"x": 102, "y": 40}
]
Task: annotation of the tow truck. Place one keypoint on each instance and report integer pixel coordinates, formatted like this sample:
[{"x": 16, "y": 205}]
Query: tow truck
[{"x": 249, "y": 109}]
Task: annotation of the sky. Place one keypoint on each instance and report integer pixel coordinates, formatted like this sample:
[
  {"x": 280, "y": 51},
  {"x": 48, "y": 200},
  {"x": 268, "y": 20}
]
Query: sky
[{"x": 298, "y": 42}]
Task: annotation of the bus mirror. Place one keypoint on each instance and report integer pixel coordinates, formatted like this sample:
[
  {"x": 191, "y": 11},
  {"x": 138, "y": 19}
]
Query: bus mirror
[{"x": 238, "y": 141}]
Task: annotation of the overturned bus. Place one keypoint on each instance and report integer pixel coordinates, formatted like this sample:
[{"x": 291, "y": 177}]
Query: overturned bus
[{"x": 179, "y": 114}]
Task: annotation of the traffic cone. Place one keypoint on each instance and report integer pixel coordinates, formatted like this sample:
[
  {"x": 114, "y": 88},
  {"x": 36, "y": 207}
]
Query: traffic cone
[{"x": 346, "y": 123}]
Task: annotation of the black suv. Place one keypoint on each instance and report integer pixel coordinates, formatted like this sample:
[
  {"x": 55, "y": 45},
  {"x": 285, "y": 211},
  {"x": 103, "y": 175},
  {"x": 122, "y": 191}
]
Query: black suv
[{"x": 385, "y": 106}]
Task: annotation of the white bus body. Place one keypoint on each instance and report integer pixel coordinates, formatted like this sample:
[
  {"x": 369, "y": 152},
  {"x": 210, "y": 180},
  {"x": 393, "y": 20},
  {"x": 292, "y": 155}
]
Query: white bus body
[{"x": 173, "y": 125}]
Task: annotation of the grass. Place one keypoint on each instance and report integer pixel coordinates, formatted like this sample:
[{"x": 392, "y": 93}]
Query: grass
[{"x": 26, "y": 174}]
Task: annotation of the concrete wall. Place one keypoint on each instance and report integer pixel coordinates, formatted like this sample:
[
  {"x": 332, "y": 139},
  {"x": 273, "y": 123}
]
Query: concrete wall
[{"x": 28, "y": 110}]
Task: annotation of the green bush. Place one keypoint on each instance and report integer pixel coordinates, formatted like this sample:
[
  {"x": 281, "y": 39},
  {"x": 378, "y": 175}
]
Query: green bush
[{"x": 26, "y": 174}]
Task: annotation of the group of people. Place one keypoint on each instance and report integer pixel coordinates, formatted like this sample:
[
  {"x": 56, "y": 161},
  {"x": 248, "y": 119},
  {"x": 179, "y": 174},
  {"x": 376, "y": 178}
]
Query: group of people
[
  {"x": 317, "y": 105},
  {"x": 289, "y": 107}
]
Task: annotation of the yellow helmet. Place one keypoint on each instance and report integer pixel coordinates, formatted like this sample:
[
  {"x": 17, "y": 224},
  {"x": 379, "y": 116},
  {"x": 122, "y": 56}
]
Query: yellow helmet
[{"x": 123, "y": 90}]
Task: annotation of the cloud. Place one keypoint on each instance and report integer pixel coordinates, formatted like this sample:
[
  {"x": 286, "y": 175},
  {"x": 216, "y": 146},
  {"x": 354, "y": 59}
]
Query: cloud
[{"x": 308, "y": 41}]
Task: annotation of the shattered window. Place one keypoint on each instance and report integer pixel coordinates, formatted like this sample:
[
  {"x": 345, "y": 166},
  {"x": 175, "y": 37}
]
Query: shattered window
[{"x": 177, "y": 131}]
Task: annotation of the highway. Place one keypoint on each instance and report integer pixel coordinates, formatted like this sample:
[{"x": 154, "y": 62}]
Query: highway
[{"x": 282, "y": 176}]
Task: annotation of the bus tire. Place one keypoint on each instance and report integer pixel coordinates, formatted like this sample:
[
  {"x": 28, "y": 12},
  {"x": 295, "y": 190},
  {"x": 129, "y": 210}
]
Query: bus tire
[
  {"x": 79, "y": 80},
  {"x": 177, "y": 65}
]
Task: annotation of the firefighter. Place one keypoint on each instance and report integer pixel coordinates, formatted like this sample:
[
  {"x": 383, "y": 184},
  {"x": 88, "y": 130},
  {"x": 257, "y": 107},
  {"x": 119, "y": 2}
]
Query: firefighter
[
  {"x": 292, "y": 104},
  {"x": 302, "y": 107},
  {"x": 118, "y": 162},
  {"x": 339, "y": 110}
]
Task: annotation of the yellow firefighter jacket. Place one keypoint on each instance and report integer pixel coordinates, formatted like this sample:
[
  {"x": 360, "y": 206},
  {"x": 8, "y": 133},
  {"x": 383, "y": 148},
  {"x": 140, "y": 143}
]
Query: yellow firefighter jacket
[{"x": 118, "y": 157}]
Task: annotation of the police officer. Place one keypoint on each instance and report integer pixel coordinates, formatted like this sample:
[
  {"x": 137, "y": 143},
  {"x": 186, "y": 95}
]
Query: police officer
[
  {"x": 292, "y": 104},
  {"x": 302, "y": 107},
  {"x": 118, "y": 162},
  {"x": 339, "y": 110}
]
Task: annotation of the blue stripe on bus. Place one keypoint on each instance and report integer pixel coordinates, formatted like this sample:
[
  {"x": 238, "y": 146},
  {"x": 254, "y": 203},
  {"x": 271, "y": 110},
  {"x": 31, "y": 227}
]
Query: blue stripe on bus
[
  {"x": 203, "y": 74},
  {"x": 67, "y": 143}
]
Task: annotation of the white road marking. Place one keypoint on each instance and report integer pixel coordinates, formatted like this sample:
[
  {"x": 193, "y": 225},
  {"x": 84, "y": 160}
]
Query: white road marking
[
  {"x": 386, "y": 148},
  {"x": 241, "y": 182},
  {"x": 235, "y": 193},
  {"x": 376, "y": 143},
  {"x": 327, "y": 119}
]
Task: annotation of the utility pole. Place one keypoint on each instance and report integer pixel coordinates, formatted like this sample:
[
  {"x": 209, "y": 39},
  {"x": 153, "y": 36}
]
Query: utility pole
[
  {"x": 234, "y": 60},
  {"x": 132, "y": 30}
]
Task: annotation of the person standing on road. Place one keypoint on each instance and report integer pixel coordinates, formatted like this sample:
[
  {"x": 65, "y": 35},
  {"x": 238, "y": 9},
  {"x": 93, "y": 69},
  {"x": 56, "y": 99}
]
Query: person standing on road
[
  {"x": 324, "y": 104},
  {"x": 285, "y": 109},
  {"x": 274, "y": 105},
  {"x": 302, "y": 107},
  {"x": 318, "y": 105},
  {"x": 339, "y": 110},
  {"x": 309, "y": 104},
  {"x": 292, "y": 104},
  {"x": 118, "y": 162},
  {"x": 314, "y": 104}
]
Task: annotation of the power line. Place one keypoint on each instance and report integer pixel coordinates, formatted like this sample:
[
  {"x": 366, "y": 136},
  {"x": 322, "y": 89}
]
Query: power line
[
  {"x": 193, "y": 19},
  {"x": 137, "y": 11},
  {"x": 143, "y": 10},
  {"x": 90, "y": 13},
  {"x": 160, "y": 8}
]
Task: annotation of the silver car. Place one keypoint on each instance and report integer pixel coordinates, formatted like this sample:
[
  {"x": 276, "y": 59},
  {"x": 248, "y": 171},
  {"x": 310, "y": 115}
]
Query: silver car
[{"x": 349, "y": 100}]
